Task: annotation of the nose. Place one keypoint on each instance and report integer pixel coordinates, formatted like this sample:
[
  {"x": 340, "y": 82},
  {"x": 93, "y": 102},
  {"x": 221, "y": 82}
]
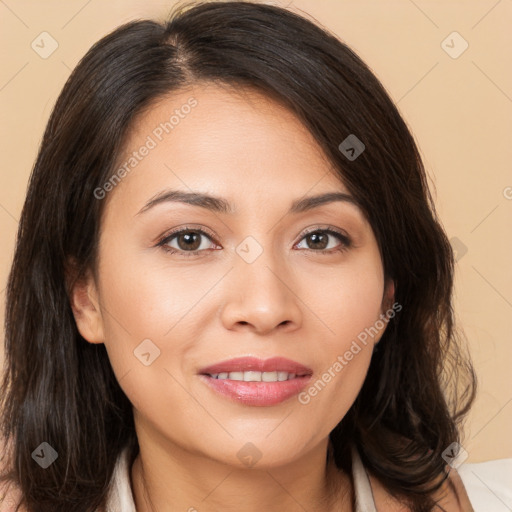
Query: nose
[{"x": 261, "y": 297}]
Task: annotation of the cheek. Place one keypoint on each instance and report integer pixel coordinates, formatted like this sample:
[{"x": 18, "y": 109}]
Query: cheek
[
  {"x": 143, "y": 300},
  {"x": 346, "y": 298},
  {"x": 144, "y": 310},
  {"x": 146, "y": 298},
  {"x": 331, "y": 394},
  {"x": 349, "y": 303}
]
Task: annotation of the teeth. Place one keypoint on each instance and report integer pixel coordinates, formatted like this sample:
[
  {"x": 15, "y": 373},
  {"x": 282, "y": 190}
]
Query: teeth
[{"x": 251, "y": 376}]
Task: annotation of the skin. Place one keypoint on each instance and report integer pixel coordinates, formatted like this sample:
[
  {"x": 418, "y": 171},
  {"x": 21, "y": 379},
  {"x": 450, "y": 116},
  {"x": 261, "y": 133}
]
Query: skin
[{"x": 292, "y": 301}]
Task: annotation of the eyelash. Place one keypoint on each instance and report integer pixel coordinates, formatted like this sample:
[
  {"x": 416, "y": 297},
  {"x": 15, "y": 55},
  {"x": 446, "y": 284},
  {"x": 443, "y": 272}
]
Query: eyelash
[{"x": 345, "y": 245}]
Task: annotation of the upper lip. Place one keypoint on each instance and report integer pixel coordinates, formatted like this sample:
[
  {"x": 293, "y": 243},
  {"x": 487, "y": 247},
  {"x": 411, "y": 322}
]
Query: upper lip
[{"x": 242, "y": 364}]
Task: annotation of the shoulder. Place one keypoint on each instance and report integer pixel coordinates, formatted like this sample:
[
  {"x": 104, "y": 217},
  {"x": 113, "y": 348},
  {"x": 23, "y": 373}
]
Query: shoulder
[{"x": 450, "y": 497}]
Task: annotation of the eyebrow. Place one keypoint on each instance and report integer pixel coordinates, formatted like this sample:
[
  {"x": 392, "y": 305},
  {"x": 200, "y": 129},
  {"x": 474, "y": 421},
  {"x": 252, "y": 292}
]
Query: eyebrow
[{"x": 221, "y": 205}]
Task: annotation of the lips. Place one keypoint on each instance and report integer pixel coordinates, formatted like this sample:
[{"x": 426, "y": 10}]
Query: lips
[
  {"x": 244, "y": 380},
  {"x": 245, "y": 364}
]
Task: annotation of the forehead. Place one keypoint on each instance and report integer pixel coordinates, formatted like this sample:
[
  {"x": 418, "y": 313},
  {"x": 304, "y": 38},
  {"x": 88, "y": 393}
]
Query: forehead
[{"x": 240, "y": 144}]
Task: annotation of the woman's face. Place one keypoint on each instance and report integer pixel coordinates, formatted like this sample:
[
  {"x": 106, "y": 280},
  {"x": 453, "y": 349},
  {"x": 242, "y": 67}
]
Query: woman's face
[{"x": 256, "y": 286}]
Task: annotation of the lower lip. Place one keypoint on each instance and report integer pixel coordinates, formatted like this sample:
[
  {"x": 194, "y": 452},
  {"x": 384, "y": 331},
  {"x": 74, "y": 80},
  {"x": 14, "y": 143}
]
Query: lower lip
[{"x": 257, "y": 393}]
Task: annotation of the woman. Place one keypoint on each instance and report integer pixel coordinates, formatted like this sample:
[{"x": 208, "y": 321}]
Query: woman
[{"x": 230, "y": 289}]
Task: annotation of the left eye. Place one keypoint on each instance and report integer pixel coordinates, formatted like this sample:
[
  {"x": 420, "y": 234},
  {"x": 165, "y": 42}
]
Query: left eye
[{"x": 319, "y": 239}]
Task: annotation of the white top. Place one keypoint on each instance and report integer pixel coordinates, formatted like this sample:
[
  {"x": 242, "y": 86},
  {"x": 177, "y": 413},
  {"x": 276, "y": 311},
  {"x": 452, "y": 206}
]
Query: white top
[{"x": 488, "y": 485}]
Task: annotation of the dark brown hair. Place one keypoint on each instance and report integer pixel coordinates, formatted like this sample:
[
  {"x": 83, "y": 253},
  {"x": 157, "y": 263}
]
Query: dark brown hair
[{"x": 61, "y": 389}]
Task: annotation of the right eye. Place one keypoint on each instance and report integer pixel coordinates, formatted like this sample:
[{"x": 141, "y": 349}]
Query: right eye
[{"x": 187, "y": 241}]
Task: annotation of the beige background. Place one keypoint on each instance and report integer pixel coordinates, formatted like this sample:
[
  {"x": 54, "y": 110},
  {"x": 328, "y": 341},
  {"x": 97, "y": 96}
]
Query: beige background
[{"x": 459, "y": 109}]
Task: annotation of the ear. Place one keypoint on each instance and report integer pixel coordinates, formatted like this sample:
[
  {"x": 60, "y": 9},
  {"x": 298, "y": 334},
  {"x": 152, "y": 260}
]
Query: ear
[
  {"x": 388, "y": 298},
  {"x": 389, "y": 295},
  {"x": 84, "y": 301}
]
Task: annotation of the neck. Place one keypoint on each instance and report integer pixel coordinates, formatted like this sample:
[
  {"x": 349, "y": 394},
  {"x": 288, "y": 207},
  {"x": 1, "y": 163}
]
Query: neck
[{"x": 192, "y": 482}]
